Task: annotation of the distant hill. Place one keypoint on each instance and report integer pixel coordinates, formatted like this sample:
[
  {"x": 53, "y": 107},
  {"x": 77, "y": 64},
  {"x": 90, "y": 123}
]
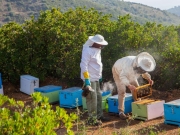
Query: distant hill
[
  {"x": 175, "y": 10},
  {"x": 20, "y": 10}
]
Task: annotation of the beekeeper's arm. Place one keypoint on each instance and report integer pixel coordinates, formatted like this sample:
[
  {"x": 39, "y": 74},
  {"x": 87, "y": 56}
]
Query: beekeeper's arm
[
  {"x": 147, "y": 76},
  {"x": 123, "y": 77},
  {"x": 84, "y": 66}
]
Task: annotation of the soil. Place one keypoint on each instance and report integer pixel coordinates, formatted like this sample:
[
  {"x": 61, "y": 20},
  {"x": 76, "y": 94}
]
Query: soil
[{"x": 115, "y": 126}]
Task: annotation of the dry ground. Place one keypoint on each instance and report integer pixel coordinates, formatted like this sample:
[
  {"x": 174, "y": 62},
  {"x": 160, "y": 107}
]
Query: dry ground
[{"x": 115, "y": 126}]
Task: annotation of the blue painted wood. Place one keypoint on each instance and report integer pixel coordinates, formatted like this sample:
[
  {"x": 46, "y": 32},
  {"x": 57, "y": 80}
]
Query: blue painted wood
[
  {"x": 172, "y": 122},
  {"x": 172, "y": 111},
  {"x": 70, "y": 97},
  {"x": 48, "y": 88},
  {"x": 113, "y": 103}
]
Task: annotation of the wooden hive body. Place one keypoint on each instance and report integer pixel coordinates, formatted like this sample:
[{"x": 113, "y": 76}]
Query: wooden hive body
[
  {"x": 172, "y": 112},
  {"x": 146, "y": 108}
]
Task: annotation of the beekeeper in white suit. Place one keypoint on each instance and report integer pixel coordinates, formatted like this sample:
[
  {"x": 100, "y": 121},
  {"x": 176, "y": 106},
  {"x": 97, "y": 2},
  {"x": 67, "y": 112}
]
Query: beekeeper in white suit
[
  {"x": 91, "y": 73},
  {"x": 126, "y": 71}
]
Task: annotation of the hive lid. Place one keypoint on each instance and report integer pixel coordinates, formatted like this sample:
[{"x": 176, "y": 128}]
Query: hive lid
[
  {"x": 104, "y": 93},
  {"x": 72, "y": 89},
  {"x": 174, "y": 102},
  {"x": 115, "y": 97},
  {"x": 48, "y": 88},
  {"x": 142, "y": 92},
  {"x": 29, "y": 77}
]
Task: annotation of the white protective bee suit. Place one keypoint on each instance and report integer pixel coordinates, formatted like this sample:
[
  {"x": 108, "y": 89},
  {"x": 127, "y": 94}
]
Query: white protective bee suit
[
  {"x": 91, "y": 64},
  {"x": 125, "y": 75},
  {"x": 91, "y": 61}
]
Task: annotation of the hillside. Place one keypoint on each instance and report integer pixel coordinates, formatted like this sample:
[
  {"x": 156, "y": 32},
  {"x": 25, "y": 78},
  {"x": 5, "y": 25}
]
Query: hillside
[
  {"x": 20, "y": 10},
  {"x": 175, "y": 10}
]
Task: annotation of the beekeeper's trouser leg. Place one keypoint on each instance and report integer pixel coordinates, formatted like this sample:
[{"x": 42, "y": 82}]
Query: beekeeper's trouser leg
[
  {"x": 121, "y": 88},
  {"x": 94, "y": 101}
]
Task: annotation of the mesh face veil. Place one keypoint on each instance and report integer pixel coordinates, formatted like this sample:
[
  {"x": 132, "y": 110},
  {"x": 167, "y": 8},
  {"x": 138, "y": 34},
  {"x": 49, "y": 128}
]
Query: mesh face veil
[{"x": 139, "y": 70}]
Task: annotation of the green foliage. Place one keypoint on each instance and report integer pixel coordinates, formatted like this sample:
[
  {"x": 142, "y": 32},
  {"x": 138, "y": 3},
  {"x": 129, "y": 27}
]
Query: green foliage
[
  {"x": 51, "y": 45},
  {"x": 11, "y": 47},
  {"x": 130, "y": 38},
  {"x": 39, "y": 118}
]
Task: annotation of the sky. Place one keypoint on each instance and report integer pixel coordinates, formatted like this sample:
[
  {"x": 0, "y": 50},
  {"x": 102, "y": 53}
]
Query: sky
[{"x": 161, "y": 4}]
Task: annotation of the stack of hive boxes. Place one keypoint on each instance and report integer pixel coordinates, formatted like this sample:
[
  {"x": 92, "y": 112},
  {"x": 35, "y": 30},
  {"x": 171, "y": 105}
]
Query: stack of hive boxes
[{"x": 146, "y": 109}]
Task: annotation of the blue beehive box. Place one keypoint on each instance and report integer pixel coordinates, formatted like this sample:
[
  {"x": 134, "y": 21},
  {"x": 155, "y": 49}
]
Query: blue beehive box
[
  {"x": 172, "y": 112},
  {"x": 113, "y": 103},
  {"x": 1, "y": 86},
  {"x": 50, "y": 91},
  {"x": 70, "y": 97}
]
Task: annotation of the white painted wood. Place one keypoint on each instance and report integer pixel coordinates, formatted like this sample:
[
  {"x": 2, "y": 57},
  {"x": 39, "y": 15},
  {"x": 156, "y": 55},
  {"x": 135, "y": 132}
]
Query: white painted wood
[
  {"x": 155, "y": 109},
  {"x": 28, "y": 83},
  {"x": 1, "y": 90}
]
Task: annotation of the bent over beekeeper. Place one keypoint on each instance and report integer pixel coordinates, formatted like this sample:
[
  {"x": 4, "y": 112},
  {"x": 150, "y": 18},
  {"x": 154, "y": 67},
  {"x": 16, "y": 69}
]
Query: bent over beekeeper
[{"x": 126, "y": 71}]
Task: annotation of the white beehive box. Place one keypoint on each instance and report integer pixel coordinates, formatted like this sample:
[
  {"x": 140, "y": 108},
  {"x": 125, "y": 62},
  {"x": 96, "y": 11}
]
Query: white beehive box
[
  {"x": 28, "y": 83},
  {"x": 1, "y": 90}
]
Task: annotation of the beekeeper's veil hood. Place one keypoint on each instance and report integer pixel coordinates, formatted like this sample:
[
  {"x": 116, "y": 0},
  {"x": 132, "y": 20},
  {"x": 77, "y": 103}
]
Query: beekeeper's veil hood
[
  {"x": 99, "y": 39},
  {"x": 146, "y": 62}
]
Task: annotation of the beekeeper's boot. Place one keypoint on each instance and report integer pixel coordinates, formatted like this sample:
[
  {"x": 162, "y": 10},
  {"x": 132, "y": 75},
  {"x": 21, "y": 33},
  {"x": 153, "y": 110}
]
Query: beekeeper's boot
[{"x": 123, "y": 116}]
